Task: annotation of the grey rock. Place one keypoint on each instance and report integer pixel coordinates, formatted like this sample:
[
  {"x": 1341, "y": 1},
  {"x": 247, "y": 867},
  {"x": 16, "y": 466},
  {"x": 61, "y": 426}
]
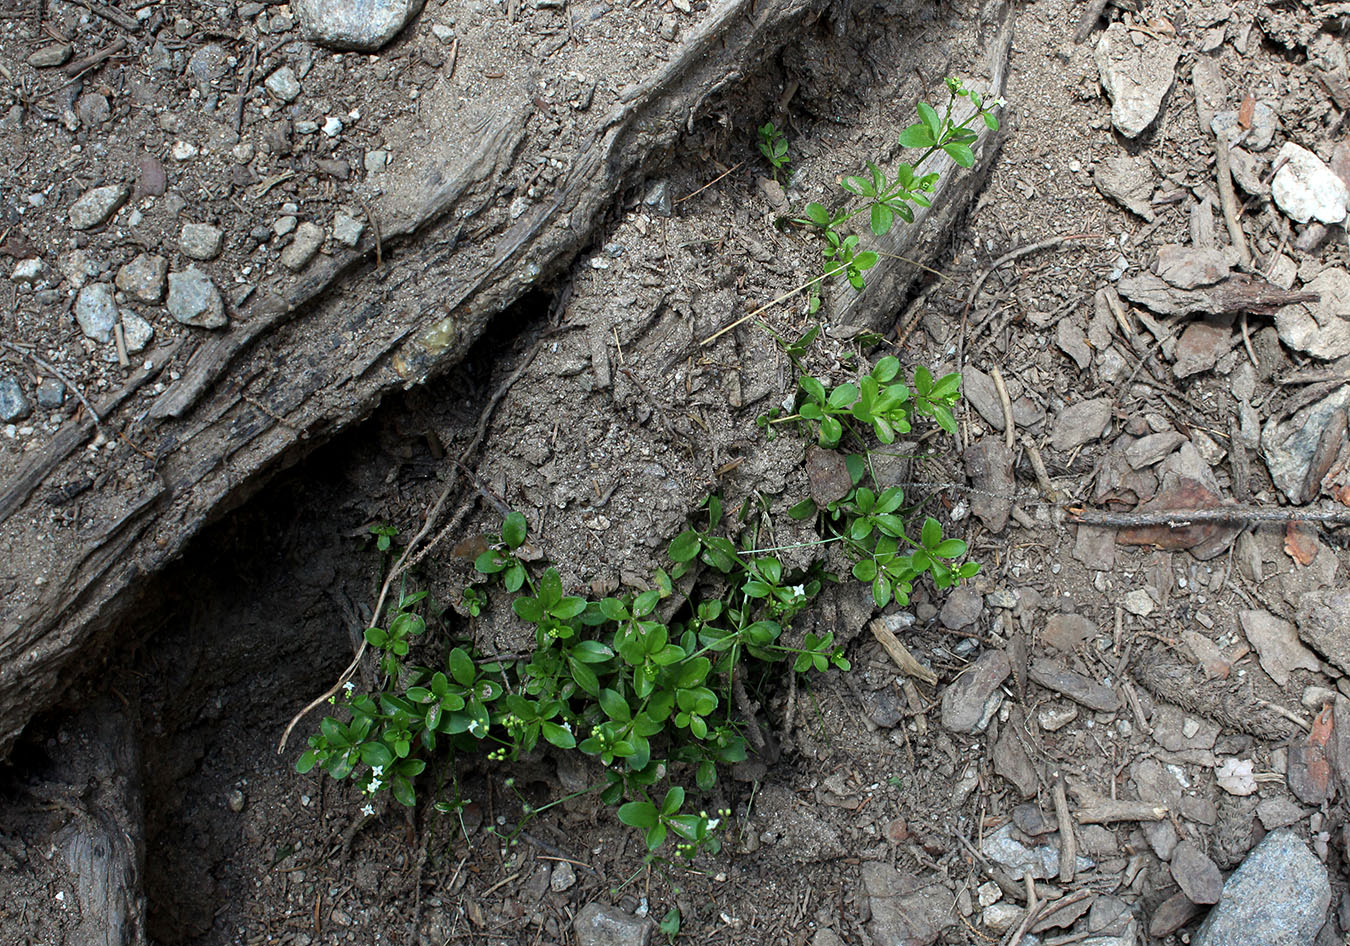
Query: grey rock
[
  {"x": 51, "y": 393},
  {"x": 969, "y": 700},
  {"x": 1042, "y": 861},
  {"x": 93, "y": 109},
  {"x": 1161, "y": 836},
  {"x": 1177, "y": 732},
  {"x": 1290, "y": 446},
  {"x": 354, "y": 24},
  {"x": 1171, "y": 915},
  {"x": 136, "y": 331},
  {"x": 1135, "y": 77},
  {"x": 989, "y": 464},
  {"x": 96, "y": 311},
  {"x": 1083, "y": 690},
  {"x": 1152, "y": 448},
  {"x": 1187, "y": 267},
  {"x": 658, "y": 200},
  {"x": 14, "y": 404},
  {"x": 599, "y": 924},
  {"x": 143, "y": 278},
  {"x": 1201, "y": 345},
  {"x": 564, "y": 877},
  {"x": 375, "y": 161},
  {"x": 1322, "y": 328},
  {"x": 29, "y": 272},
  {"x": 1196, "y": 875},
  {"x": 1248, "y": 171},
  {"x": 1324, "y": 624},
  {"x": 826, "y": 937},
  {"x": 306, "y": 242},
  {"x": 151, "y": 178},
  {"x": 1080, "y": 423},
  {"x": 194, "y": 300},
  {"x": 97, "y": 204},
  {"x": 1071, "y": 340},
  {"x": 1128, "y": 181},
  {"x": 283, "y": 84},
  {"x": 49, "y": 57},
  {"x": 906, "y": 910},
  {"x": 1278, "y": 896},
  {"x": 1306, "y": 189},
  {"x": 1280, "y": 812},
  {"x": 347, "y": 229},
  {"x": 209, "y": 64},
  {"x": 202, "y": 241},
  {"x": 962, "y": 608},
  {"x": 1066, "y": 631},
  {"x": 1276, "y": 643},
  {"x": 1257, "y": 137}
]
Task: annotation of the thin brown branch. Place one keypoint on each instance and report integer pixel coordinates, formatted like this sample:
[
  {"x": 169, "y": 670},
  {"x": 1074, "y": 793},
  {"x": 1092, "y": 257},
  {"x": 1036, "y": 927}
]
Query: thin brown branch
[{"x": 1179, "y": 518}]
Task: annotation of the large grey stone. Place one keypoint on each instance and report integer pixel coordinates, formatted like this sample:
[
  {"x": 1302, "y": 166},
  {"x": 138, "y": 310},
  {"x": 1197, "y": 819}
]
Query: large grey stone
[
  {"x": 1135, "y": 77},
  {"x": 1324, "y": 623},
  {"x": 1278, "y": 896},
  {"x": 201, "y": 241},
  {"x": 96, "y": 311},
  {"x": 96, "y": 205},
  {"x": 1322, "y": 328},
  {"x": 599, "y": 924},
  {"x": 306, "y": 242},
  {"x": 1080, "y": 423},
  {"x": 1289, "y": 446},
  {"x": 143, "y": 278},
  {"x": 194, "y": 299},
  {"x": 354, "y": 24},
  {"x": 968, "y": 700},
  {"x": 906, "y": 910},
  {"x": 1306, "y": 189},
  {"x": 14, "y": 404}
]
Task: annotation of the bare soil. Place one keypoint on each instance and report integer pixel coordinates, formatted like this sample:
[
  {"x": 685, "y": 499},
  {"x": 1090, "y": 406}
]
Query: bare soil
[{"x": 607, "y": 420}]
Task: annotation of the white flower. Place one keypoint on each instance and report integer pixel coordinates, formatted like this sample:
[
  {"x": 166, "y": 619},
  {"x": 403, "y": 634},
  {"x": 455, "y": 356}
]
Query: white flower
[
  {"x": 374, "y": 786},
  {"x": 713, "y": 823},
  {"x": 377, "y": 770},
  {"x": 799, "y": 591},
  {"x": 349, "y": 687},
  {"x": 367, "y": 810}
]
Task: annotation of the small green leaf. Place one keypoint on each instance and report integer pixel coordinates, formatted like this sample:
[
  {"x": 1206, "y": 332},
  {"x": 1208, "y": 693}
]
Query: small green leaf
[
  {"x": 514, "y": 530},
  {"x": 638, "y": 814},
  {"x": 950, "y": 548},
  {"x": 558, "y": 735},
  {"x": 932, "y": 533},
  {"x": 883, "y": 218},
  {"x": 990, "y": 121},
  {"x": 684, "y": 546},
  {"x": 818, "y": 214},
  {"x": 930, "y": 119},
  {"x": 960, "y": 153},
  {"x": 614, "y": 705},
  {"x": 670, "y": 923},
  {"x": 916, "y": 136},
  {"x": 803, "y": 510},
  {"x": 813, "y": 388},
  {"x": 943, "y": 415},
  {"x": 461, "y": 667},
  {"x": 591, "y": 652},
  {"x": 403, "y": 791},
  {"x": 528, "y": 609},
  {"x": 673, "y": 800},
  {"x": 865, "y": 260},
  {"x": 307, "y": 761}
]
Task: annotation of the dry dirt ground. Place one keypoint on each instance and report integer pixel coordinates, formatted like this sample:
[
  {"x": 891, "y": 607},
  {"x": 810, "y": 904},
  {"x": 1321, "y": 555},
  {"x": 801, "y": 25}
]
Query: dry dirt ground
[{"x": 1085, "y": 671}]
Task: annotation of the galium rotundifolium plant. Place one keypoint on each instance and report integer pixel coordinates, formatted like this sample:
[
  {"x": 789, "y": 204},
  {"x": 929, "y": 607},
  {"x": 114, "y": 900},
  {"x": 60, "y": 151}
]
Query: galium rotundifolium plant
[{"x": 885, "y": 198}]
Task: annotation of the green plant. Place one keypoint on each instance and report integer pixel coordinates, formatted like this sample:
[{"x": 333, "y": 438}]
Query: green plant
[
  {"x": 670, "y": 924},
  {"x": 773, "y": 145},
  {"x": 886, "y": 198},
  {"x": 654, "y": 684}
]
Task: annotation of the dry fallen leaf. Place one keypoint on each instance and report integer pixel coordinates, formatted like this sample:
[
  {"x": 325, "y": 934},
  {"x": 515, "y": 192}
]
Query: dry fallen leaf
[
  {"x": 1300, "y": 543},
  {"x": 1246, "y": 111},
  {"x": 1186, "y": 496}
]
